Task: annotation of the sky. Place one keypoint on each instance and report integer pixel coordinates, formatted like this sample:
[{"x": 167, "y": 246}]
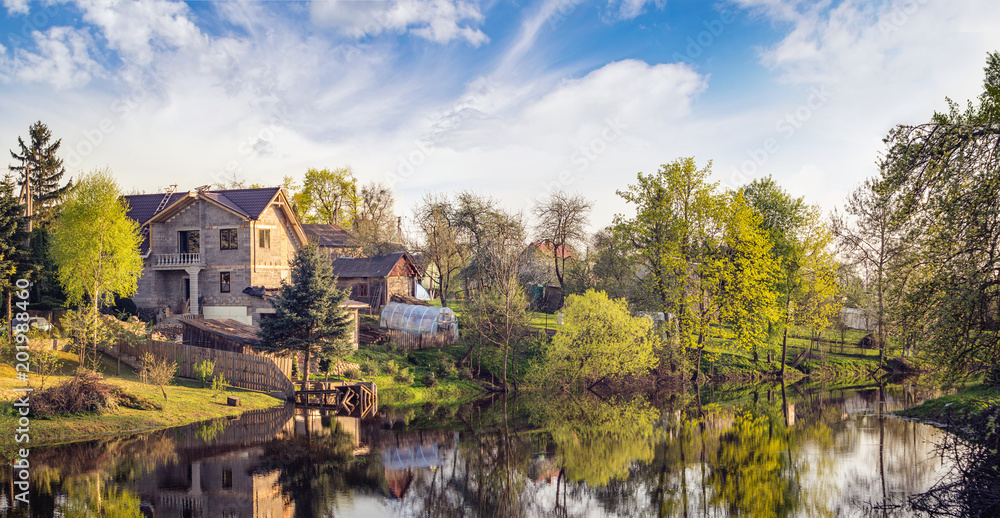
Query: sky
[{"x": 513, "y": 99}]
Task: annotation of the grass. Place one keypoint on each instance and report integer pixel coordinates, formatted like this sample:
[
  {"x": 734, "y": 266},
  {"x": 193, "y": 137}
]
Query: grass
[
  {"x": 187, "y": 403},
  {"x": 965, "y": 406}
]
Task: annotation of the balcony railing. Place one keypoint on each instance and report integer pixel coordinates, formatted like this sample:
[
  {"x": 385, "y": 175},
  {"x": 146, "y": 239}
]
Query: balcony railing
[{"x": 178, "y": 260}]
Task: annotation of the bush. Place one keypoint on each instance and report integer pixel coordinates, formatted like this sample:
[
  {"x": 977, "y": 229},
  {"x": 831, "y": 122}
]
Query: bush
[
  {"x": 135, "y": 401},
  {"x": 159, "y": 372},
  {"x": 352, "y": 373},
  {"x": 85, "y": 392},
  {"x": 404, "y": 377},
  {"x": 445, "y": 369},
  {"x": 430, "y": 380},
  {"x": 369, "y": 367},
  {"x": 219, "y": 383},
  {"x": 203, "y": 371},
  {"x": 390, "y": 367},
  {"x": 465, "y": 374}
]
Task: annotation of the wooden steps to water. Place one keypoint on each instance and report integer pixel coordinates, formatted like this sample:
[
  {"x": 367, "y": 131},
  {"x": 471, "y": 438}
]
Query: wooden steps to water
[{"x": 358, "y": 399}]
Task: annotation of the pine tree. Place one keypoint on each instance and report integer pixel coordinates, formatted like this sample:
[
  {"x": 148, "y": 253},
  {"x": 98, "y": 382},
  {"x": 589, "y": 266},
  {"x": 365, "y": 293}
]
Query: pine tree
[
  {"x": 308, "y": 318},
  {"x": 44, "y": 169},
  {"x": 12, "y": 236}
]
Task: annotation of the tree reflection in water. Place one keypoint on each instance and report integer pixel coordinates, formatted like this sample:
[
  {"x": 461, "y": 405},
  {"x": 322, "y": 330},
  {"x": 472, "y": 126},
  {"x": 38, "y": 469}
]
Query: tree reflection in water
[{"x": 972, "y": 488}]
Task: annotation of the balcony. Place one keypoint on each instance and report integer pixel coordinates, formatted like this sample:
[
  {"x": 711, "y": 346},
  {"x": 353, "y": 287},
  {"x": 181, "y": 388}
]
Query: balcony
[{"x": 177, "y": 261}]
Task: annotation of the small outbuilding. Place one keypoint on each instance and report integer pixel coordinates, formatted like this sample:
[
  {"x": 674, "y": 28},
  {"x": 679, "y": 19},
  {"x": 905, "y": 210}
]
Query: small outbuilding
[
  {"x": 374, "y": 280},
  {"x": 223, "y": 334},
  {"x": 415, "y": 327}
]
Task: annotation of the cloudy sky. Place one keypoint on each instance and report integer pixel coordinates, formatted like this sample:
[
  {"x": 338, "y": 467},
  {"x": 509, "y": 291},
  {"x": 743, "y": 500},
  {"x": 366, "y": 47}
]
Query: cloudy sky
[{"x": 506, "y": 98}]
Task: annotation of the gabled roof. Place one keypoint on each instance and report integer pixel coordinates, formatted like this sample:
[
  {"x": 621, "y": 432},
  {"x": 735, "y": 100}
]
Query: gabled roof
[
  {"x": 375, "y": 266},
  {"x": 249, "y": 203},
  {"x": 329, "y": 235},
  {"x": 546, "y": 248},
  {"x": 246, "y": 203}
]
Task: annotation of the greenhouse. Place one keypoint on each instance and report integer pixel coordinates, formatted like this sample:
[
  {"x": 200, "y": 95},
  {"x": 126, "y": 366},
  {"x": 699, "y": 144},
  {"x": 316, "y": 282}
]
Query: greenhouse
[{"x": 419, "y": 319}]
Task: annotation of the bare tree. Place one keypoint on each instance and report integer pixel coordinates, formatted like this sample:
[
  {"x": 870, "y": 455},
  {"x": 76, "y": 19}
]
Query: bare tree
[
  {"x": 375, "y": 221},
  {"x": 440, "y": 241},
  {"x": 498, "y": 310},
  {"x": 562, "y": 222}
]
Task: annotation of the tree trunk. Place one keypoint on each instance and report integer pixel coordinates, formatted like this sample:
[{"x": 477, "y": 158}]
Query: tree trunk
[
  {"x": 784, "y": 351},
  {"x": 505, "y": 349},
  {"x": 701, "y": 351},
  {"x": 305, "y": 368}
]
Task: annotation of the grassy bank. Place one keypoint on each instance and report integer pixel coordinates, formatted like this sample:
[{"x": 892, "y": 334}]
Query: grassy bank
[
  {"x": 187, "y": 403},
  {"x": 972, "y": 412}
]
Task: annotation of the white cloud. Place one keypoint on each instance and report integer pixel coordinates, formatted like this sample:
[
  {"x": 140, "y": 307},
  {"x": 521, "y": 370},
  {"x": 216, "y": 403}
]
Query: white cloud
[
  {"x": 440, "y": 21},
  {"x": 629, "y": 9},
  {"x": 62, "y": 60},
  {"x": 138, "y": 29},
  {"x": 16, "y": 6}
]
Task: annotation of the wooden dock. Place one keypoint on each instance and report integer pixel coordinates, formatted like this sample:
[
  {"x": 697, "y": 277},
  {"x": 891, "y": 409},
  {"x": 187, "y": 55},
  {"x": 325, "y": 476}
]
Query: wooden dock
[{"x": 358, "y": 399}]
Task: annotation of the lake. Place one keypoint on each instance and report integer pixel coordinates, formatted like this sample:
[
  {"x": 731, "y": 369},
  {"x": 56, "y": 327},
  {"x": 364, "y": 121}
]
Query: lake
[{"x": 744, "y": 450}]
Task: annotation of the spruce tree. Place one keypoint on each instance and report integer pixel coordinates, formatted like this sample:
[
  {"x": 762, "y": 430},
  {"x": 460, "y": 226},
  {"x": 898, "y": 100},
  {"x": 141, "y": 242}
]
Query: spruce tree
[
  {"x": 38, "y": 160},
  {"x": 12, "y": 235},
  {"x": 308, "y": 318}
]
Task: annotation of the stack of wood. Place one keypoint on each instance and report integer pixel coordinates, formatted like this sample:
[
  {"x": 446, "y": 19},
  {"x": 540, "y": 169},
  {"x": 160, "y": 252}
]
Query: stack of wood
[
  {"x": 369, "y": 334},
  {"x": 406, "y": 299}
]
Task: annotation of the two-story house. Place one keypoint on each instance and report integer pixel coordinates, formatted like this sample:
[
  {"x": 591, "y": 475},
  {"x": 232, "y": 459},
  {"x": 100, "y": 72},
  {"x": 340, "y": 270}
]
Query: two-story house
[{"x": 202, "y": 248}]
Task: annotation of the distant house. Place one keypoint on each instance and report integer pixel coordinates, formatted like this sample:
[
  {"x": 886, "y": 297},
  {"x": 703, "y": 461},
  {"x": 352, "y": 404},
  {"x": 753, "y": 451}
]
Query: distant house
[
  {"x": 374, "y": 280},
  {"x": 332, "y": 240}
]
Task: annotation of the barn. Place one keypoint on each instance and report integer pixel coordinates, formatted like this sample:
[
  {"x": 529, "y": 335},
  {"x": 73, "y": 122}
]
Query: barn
[{"x": 374, "y": 280}]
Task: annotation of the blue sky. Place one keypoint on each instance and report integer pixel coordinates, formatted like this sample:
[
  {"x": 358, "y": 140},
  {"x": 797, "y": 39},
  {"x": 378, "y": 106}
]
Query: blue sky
[{"x": 509, "y": 99}]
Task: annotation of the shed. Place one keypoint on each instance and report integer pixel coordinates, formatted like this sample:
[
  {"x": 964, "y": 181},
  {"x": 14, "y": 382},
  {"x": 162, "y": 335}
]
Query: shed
[
  {"x": 416, "y": 327},
  {"x": 374, "y": 280},
  {"x": 224, "y": 334}
]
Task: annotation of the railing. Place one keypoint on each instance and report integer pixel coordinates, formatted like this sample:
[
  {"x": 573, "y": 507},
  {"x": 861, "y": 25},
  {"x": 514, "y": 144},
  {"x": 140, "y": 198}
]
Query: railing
[{"x": 178, "y": 259}]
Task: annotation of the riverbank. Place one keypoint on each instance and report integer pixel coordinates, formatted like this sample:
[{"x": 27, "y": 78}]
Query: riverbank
[
  {"x": 972, "y": 413},
  {"x": 187, "y": 403}
]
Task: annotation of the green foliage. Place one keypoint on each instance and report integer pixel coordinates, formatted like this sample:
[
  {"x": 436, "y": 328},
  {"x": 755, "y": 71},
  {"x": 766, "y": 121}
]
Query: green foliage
[
  {"x": 352, "y": 373},
  {"x": 430, "y": 380},
  {"x": 369, "y": 367},
  {"x": 12, "y": 235},
  {"x": 203, "y": 371},
  {"x": 600, "y": 339},
  {"x": 308, "y": 318},
  {"x": 403, "y": 376},
  {"x": 39, "y": 159},
  {"x": 390, "y": 367},
  {"x": 328, "y": 196},
  {"x": 157, "y": 371},
  {"x": 219, "y": 384}
]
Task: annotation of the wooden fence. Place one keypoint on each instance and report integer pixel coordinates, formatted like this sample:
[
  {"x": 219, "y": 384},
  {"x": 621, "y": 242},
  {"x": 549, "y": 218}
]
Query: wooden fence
[
  {"x": 407, "y": 341},
  {"x": 249, "y": 371}
]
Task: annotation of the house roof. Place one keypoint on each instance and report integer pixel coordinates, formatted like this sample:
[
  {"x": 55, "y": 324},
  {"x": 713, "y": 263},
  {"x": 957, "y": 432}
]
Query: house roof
[
  {"x": 546, "y": 248},
  {"x": 227, "y": 328},
  {"x": 329, "y": 235},
  {"x": 375, "y": 266},
  {"x": 247, "y": 203}
]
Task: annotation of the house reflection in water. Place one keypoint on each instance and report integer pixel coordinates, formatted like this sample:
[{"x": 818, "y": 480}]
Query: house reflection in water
[{"x": 223, "y": 486}]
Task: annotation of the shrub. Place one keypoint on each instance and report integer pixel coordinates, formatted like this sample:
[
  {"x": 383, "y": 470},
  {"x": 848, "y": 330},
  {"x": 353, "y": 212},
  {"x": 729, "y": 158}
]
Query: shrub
[
  {"x": 430, "y": 380},
  {"x": 390, "y": 367},
  {"x": 465, "y": 374},
  {"x": 369, "y": 367},
  {"x": 85, "y": 392},
  {"x": 404, "y": 377},
  {"x": 219, "y": 383},
  {"x": 352, "y": 373},
  {"x": 159, "y": 372},
  {"x": 203, "y": 371},
  {"x": 445, "y": 368}
]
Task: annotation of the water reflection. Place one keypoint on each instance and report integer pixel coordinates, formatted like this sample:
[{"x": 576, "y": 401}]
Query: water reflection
[{"x": 715, "y": 451}]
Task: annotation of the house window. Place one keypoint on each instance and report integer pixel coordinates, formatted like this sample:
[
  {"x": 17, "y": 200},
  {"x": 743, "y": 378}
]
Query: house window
[
  {"x": 224, "y": 283},
  {"x": 188, "y": 242},
  {"x": 264, "y": 238},
  {"x": 227, "y": 239},
  {"x": 227, "y": 478},
  {"x": 361, "y": 289}
]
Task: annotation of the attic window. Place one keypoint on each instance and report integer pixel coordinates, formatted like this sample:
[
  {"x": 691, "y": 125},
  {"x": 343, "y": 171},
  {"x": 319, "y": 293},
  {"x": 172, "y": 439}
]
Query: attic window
[{"x": 227, "y": 239}]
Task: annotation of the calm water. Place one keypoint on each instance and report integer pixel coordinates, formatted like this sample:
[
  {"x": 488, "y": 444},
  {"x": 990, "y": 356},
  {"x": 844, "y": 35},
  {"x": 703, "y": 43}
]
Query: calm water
[{"x": 736, "y": 451}]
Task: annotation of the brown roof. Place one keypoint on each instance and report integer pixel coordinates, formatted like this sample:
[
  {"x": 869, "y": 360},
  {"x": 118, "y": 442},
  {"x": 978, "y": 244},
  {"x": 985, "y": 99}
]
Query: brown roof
[
  {"x": 375, "y": 266},
  {"x": 227, "y": 328},
  {"x": 546, "y": 248},
  {"x": 329, "y": 235}
]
